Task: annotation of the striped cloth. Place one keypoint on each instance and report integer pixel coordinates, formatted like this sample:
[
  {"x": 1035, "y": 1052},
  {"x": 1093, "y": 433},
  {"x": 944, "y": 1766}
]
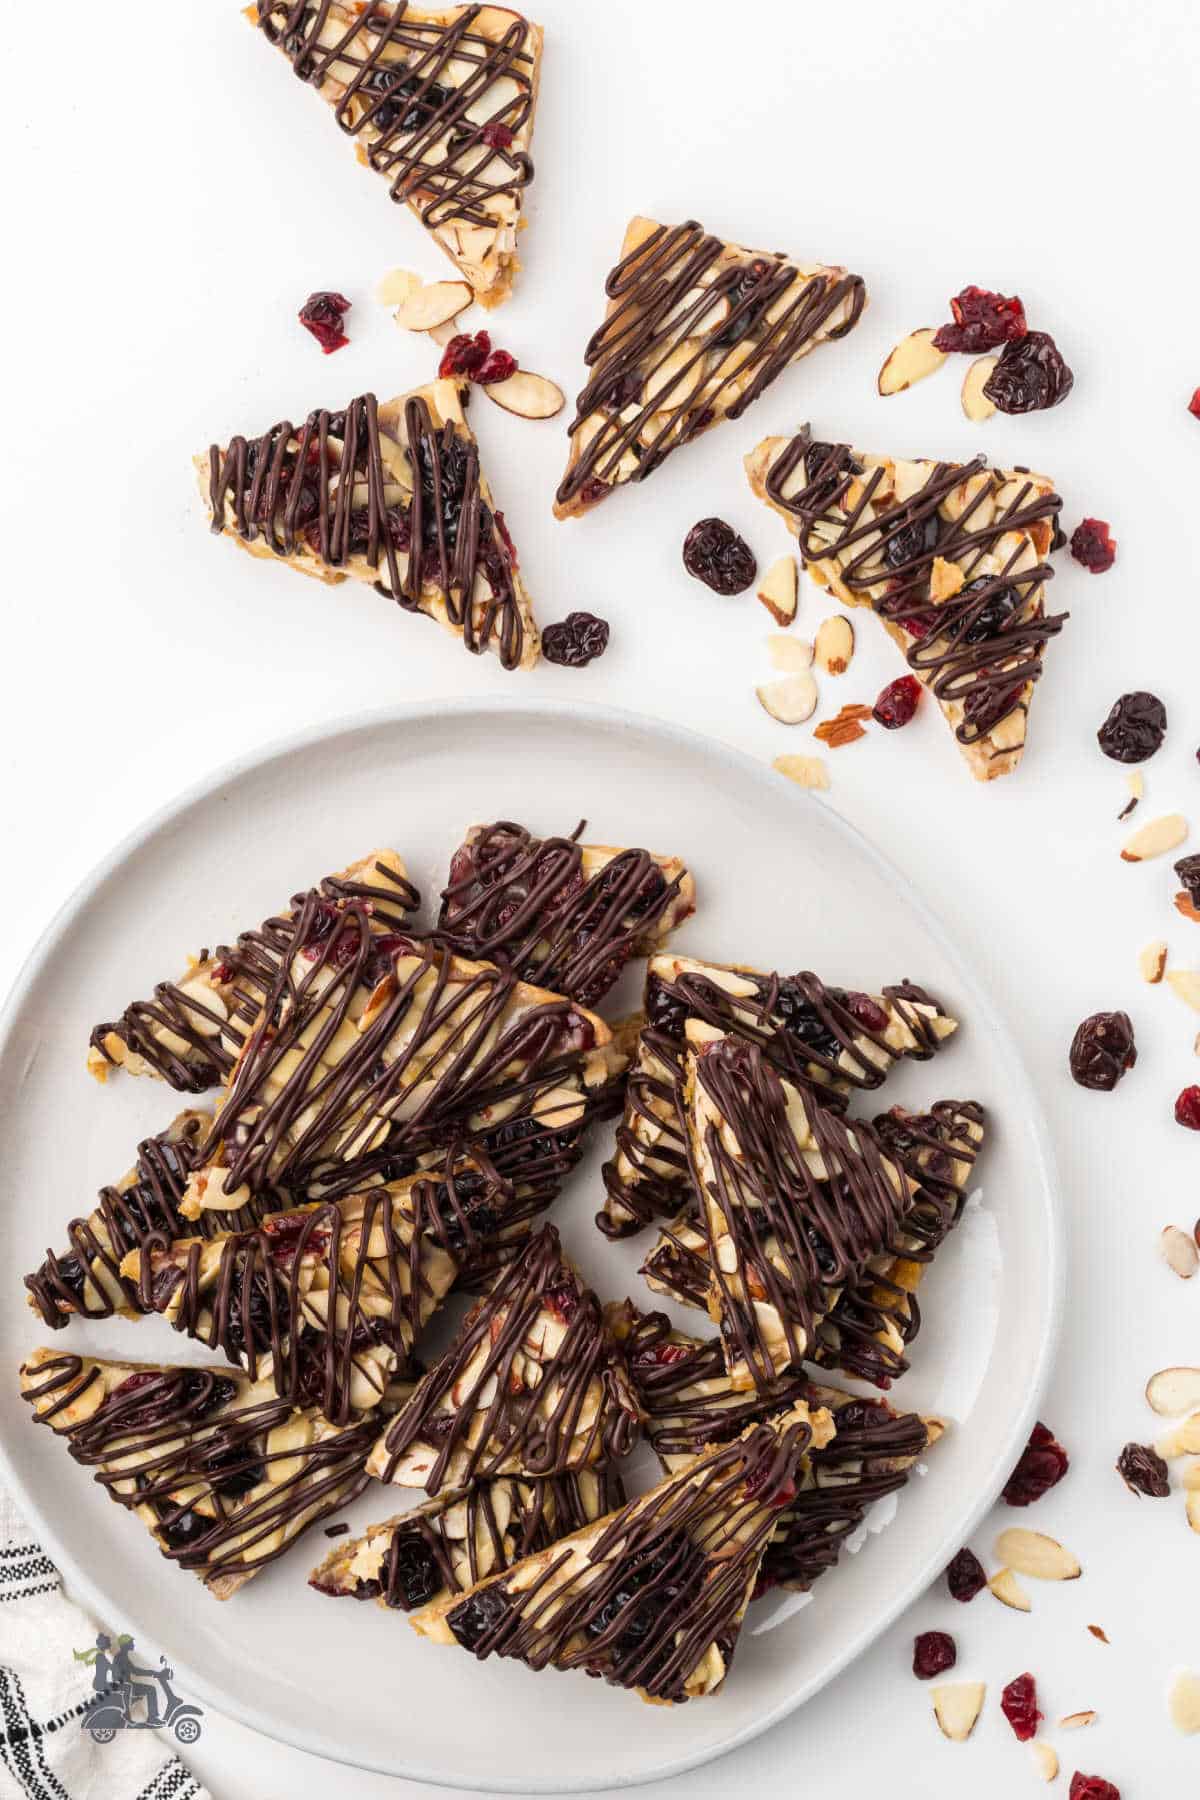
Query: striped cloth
[{"x": 44, "y": 1690}]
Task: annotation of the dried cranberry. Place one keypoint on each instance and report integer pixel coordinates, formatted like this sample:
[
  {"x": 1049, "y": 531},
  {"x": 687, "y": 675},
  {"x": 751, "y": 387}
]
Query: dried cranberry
[
  {"x": 866, "y": 1011},
  {"x": 464, "y": 354},
  {"x": 477, "y": 1617},
  {"x": 1093, "y": 545},
  {"x": 897, "y": 703},
  {"x": 1134, "y": 729},
  {"x": 497, "y": 136},
  {"x": 1194, "y": 404},
  {"x": 575, "y": 641},
  {"x": 497, "y": 367},
  {"x": 324, "y": 315},
  {"x": 933, "y": 1654},
  {"x": 563, "y": 1300},
  {"x": 1019, "y": 1705},
  {"x": 1101, "y": 1051},
  {"x": 1143, "y": 1471},
  {"x": 654, "y": 1356},
  {"x": 1030, "y": 375},
  {"x": 1092, "y": 1787},
  {"x": 1187, "y": 1108},
  {"x": 413, "y": 1577},
  {"x": 715, "y": 554},
  {"x": 1042, "y": 1465},
  {"x": 965, "y": 1577},
  {"x": 982, "y": 320}
]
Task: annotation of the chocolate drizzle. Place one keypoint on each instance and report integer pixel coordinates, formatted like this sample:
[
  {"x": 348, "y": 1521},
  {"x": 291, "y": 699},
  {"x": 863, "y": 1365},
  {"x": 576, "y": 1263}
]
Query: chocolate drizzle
[
  {"x": 332, "y": 490},
  {"x": 977, "y": 649},
  {"x": 525, "y": 899},
  {"x": 531, "y": 1385},
  {"x": 399, "y": 96},
  {"x": 190, "y": 1450},
  {"x": 679, "y": 284}
]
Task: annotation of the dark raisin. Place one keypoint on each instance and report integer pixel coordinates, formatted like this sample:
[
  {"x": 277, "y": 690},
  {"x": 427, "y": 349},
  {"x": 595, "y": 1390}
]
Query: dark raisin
[
  {"x": 1094, "y": 545},
  {"x": 982, "y": 320},
  {"x": 1187, "y": 1108},
  {"x": 413, "y": 1577},
  {"x": 623, "y": 390},
  {"x": 990, "y": 616},
  {"x": 233, "y": 1340},
  {"x": 665, "y": 1012},
  {"x": 826, "y": 466},
  {"x": 206, "y": 1394},
  {"x": 231, "y": 1473},
  {"x": 1019, "y": 1705},
  {"x": 1092, "y": 1787},
  {"x": 477, "y": 1617},
  {"x": 745, "y": 312},
  {"x": 185, "y": 1530},
  {"x": 801, "y": 1020},
  {"x": 1041, "y": 1466},
  {"x": 1143, "y": 1471},
  {"x": 897, "y": 703},
  {"x": 933, "y": 1653},
  {"x": 965, "y": 1577},
  {"x": 912, "y": 543},
  {"x": 1101, "y": 1051},
  {"x": 575, "y": 641},
  {"x": 715, "y": 554},
  {"x": 861, "y": 1415},
  {"x": 69, "y": 1271},
  {"x": 324, "y": 315},
  {"x": 1134, "y": 728},
  {"x": 1030, "y": 375}
]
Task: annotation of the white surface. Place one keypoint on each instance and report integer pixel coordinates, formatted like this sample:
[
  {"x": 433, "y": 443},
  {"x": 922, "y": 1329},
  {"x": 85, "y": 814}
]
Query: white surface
[{"x": 179, "y": 195}]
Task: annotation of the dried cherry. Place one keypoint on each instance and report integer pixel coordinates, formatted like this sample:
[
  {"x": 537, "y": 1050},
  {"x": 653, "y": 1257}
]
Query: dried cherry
[
  {"x": 1102, "y": 1049},
  {"x": 965, "y": 1576},
  {"x": 897, "y": 703},
  {"x": 575, "y": 641},
  {"x": 1030, "y": 375},
  {"x": 1134, "y": 729},
  {"x": 1143, "y": 1471},
  {"x": 933, "y": 1653},
  {"x": 715, "y": 554},
  {"x": 324, "y": 315},
  {"x": 1093, "y": 545}
]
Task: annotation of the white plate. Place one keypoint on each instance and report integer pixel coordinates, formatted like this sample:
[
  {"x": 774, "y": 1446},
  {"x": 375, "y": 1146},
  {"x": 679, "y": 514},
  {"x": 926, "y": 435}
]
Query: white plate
[{"x": 783, "y": 882}]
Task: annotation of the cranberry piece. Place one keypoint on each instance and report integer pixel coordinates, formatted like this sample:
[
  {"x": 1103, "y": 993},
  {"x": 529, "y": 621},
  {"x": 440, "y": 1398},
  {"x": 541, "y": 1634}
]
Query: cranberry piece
[
  {"x": 477, "y": 1617},
  {"x": 1101, "y": 1051},
  {"x": 1019, "y": 1705},
  {"x": 465, "y": 354},
  {"x": 965, "y": 1577},
  {"x": 324, "y": 315},
  {"x": 1194, "y": 404},
  {"x": 660, "y": 1355},
  {"x": 497, "y": 136},
  {"x": 1092, "y": 1787},
  {"x": 563, "y": 1300},
  {"x": 1187, "y": 1108},
  {"x": 1143, "y": 1471},
  {"x": 982, "y": 320},
  {"x": 1093, "y": 545},
  {"x": 933, "y": 1654},
  {"x": 1134, "y": 728},
  {"x": 897, "y": 703},
  {"x": 1042, "y": 1465},
  {"x": 865, "y": 1010},
  {"x": 1030, "y": 376},
  {"x": 575, "y": 641},
  {"x": 767, "y": 1485},
  {"x": 715, "y": 554},
  {"x": 222, "y": 973},
  {"x": 497, "y": 367}
]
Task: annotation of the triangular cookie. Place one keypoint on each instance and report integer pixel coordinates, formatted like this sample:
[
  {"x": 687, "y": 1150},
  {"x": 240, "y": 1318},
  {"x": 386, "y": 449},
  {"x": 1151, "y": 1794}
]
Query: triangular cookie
[
  {"x": 389, "y": 492},
  {"x": 531, "y": 1385},
  {"x": 953, "y": 559},
  {"x": 223, "y": 1473},
  {"x": 695, "y": 330},
  {"x": 653, "y": 1597},
  {"x": 439, "y": 103},
  {"x": 190, "y": 1033},
  {"x": 565, "y": 915},
  {"x": 444, "y": 1546}
]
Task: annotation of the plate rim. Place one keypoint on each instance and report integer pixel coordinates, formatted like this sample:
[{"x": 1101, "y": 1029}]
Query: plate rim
[{"x": 989, "y": 1015}]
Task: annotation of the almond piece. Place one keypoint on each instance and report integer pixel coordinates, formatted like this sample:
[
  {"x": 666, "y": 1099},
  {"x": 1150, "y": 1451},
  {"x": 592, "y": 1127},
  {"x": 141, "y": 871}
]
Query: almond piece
[
  {"x": 1152, "y": 960},
  {"x": 529, "y": 396},
  {"x": 945, "y": 579},
  {"x": 394, "y": 288},
  {"x": 834, "y": 645},
  {"x": 1155, "y": 838},
  {"x": 956, "y": 1707},
  {"x": 1183, "y": 1702},
  {"x": 1033, "y": 1553},
  {"x": 805, "y": 771},
  {"x": 426, "y": 307},
  {"x": 790, "y": 700},
  {"x": 1172, "y": 1392},
  {"x": 1137, "y": 788},
  {"x": 790, "y": 654},
  {"x": 1186, "y": 983},
  {"x": 975, "y": 402},
  {"x": 778, "y": 590},
  {"x": 1045, "y": 1759},
  {"x": 913, "y": 358},
  {"x": 1183, "y": 904},
  {"x": 1179, "y": 1251},
  {"x": 1008, "y": 1589},
  {"x": 1183, "y": 1441},
  {"x": 1075, "y": 1721},
  {"x": 1191, "y": 1478},
  {"x": 1192, "y": 1506}
]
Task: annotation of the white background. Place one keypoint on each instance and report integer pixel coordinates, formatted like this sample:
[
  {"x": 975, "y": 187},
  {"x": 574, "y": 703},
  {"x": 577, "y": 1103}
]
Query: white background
[{"x": 173, "y": 197}]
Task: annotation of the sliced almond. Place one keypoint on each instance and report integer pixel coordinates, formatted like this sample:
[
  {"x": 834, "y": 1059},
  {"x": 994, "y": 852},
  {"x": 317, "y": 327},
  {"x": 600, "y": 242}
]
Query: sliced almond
[
  {"x": 441, "y": 334},
  {"x": 1172, "y": 1392},
  {"x": 1152, "y": 960},
  {"x": 1155, "y": 838},
  {"x": 1045, "y": 1759},
  {"x": 913, "y": 358},
  {"x": 1033, "y": 1553},
  {"x": 1192, "y": 1507},
  {"x": 791, "y": 700},
  {"x": 1186, "y": 983},
  {"x": 1191, "y": 1478},
  {"x": 834, "y": 646},
  {"x": 529, "y": 396},
  {"x": 425, "y": 307},
  {"x": 778, "y": 590},
  {"x": 945, "y": 579},
  {"x": 1183, "y": 1441},
  {"x": 1179, "y": 1251},
  {"x": 394, "y": 288},
  {"x": 805, "y": 771},
  {"x": 1183, "y": 1702},
  {"x": 1077, "y": 1720},
  {"x": 1008, "y": 1589},
  {"x": 788, "y": 653},
  {"x": 956, "y": 1707},
  {"x": 975, "y": 402},
  {"x": 1137, "y": 788}
]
